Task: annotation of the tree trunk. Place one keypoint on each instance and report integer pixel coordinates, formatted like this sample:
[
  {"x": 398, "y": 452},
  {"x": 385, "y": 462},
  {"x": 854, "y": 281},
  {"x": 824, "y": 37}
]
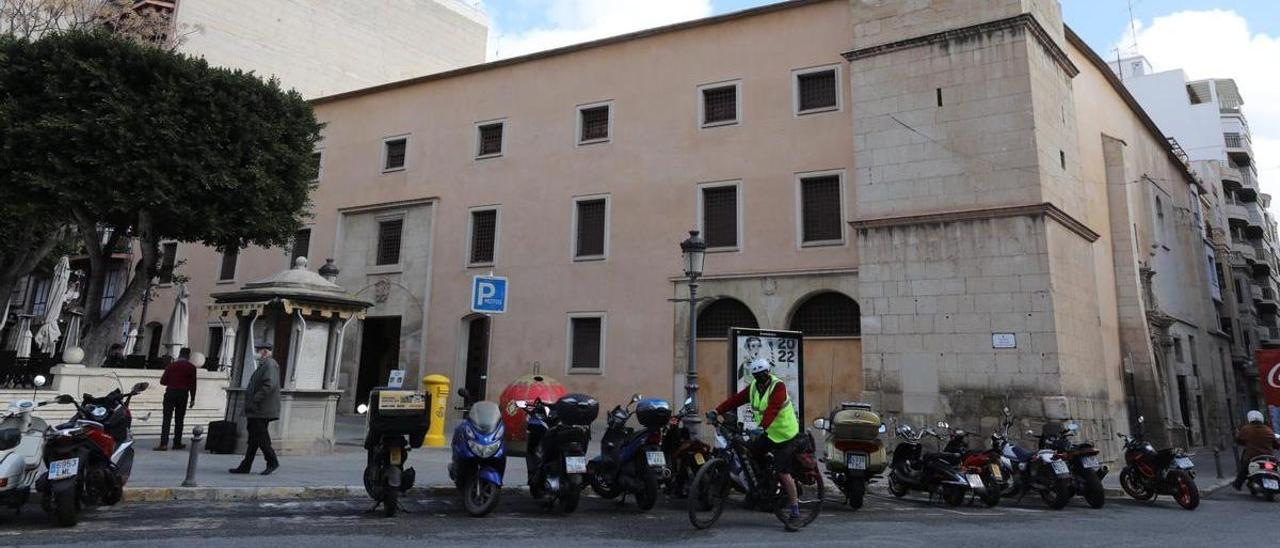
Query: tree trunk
[{"x": 101, "y": 333}]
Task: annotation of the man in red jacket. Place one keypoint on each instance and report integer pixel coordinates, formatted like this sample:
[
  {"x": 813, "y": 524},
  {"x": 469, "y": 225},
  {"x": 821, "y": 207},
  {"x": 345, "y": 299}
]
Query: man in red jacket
[{"x": 179, "y": 380}]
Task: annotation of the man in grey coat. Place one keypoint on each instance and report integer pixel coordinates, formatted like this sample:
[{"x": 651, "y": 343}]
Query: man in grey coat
[{"x": 262, "y": 405}]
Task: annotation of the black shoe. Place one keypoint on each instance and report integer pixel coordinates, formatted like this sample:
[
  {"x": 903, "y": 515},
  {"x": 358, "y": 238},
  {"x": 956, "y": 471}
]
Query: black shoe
[
  {"x": 239, "y": 470},
  {"x": 271, "y": 468},
  {"x": 179, "y": 446},
  {"x": 793, "y": 524},
  {"x": 1237, "y": 485}
]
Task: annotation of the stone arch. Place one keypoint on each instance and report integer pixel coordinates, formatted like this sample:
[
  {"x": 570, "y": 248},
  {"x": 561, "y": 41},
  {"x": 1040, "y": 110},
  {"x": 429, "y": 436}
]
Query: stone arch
[
  {"x": 832, "y": 350},
  {"x": 716, "y": 317},
  {"x": 827, "y": 314}
]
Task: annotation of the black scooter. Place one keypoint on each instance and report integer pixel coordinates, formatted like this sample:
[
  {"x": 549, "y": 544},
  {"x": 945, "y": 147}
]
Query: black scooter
[
  {"x": 631, "y": 461},
  {"x": 557, "y": 457},
  {"x": 396, "y": 420},
  {"x": 911, "y": 469}
]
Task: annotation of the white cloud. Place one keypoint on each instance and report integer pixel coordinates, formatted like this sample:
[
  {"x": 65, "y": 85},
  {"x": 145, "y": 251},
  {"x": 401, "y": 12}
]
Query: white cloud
[
  {"x": 576, "y": 21},
  {"x": 1218, "y": 44}
]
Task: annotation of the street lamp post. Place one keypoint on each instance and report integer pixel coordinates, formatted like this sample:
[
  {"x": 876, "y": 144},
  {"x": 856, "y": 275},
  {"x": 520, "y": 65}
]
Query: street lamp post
[{"x": 694, "y": 249}]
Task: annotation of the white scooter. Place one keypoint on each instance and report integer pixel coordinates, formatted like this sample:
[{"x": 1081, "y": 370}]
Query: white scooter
[{"x": 22, "y": 438}]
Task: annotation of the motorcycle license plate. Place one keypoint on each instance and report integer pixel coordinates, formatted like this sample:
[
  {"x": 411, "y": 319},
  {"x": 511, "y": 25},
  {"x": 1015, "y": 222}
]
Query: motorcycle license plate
[
  {"x": 656, "y": 458},
  {"x": 699, "y": 459},
  {"x": 575, "y": 465},
  {"x": 1271, "y": 484},
  {"x": 60, "y": 469},
  {"x": 975, "y": 481},
  {"x": 1184, "y": 462},
  {"x": 1060, "y": 467},
  {"x": 856, "y": 461},
  {"x": 995, "y": 471},
  {"x": 396, "y": 456},
  {"x": 1090, "y": 462}
]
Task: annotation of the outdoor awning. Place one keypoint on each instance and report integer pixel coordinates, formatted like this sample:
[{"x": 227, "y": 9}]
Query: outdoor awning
[{"x": 323, "y": 309}]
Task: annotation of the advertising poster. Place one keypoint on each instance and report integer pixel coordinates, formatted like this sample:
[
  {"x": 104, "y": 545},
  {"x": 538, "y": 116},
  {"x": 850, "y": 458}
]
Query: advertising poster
[
  {"x": 783, "y": 351},
  {"x": 1269, "y": 378}
]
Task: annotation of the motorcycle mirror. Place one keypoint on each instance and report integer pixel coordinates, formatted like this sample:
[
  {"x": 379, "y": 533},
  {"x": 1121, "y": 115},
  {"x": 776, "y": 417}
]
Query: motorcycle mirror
[
  {"x": 140, "y": 387},
  {"x": 883, "y": 429},
  {"x": 462, "y": 392},
  {"x": 65, "y": 399},
  {"x": 635, "y": 398},
  {"x": 820, "y": 424},
  {"x": 38, "y": 381},
  {"x": 1141, "y": 419},
  {"x": 362, "y": 408}
]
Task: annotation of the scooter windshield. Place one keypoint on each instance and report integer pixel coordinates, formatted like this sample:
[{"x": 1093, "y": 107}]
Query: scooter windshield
[{"x": 486, "y": 416}]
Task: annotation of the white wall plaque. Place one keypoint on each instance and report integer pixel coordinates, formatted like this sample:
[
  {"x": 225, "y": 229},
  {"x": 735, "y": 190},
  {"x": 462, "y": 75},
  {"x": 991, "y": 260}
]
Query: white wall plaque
[{"x": 1004, "y": 340}]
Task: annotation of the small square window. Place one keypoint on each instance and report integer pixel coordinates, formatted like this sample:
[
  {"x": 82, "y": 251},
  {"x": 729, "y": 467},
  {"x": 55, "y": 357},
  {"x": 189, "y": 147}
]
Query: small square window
[
  {"x": 593, "y": 124},
  {"x": 484, "y": 236},
  {"x": 390, "y": 234},
  {"x": 316, "y": 158},
  {"x": 490, "y": 140},
  {"x": 817, "y": 91},
  {"x": 393, "y": 158},
  {"x": 719, "y": 105},
  {"x": 586, "y": 343}
]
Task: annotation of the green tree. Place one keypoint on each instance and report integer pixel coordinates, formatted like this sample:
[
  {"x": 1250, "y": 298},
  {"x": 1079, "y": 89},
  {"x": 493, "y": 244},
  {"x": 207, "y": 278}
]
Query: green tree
[{"x": 137, "y": 142}]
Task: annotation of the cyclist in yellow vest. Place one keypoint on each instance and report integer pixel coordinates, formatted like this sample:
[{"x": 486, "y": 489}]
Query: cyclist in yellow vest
[{"x": 771, "y": 405}]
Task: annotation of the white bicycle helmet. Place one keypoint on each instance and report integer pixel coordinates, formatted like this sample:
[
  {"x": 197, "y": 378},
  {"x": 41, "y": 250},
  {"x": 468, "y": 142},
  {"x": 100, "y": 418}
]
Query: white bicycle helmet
[
  {"x": 759, "y": 365},
  {"x": 1254, "y": 416}
]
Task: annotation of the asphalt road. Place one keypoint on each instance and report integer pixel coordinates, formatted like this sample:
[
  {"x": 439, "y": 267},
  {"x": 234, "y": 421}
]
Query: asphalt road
[{"x": 1226, "y": 518}]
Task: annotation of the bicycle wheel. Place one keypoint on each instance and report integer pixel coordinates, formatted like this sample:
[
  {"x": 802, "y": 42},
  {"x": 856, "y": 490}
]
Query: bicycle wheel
[
  {"x": 808, "y": 496},
  {"x": 708, "y": 493}
]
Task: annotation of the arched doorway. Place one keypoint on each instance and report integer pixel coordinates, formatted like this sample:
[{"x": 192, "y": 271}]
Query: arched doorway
[
  {"x": 714, "y": 321},
  {"x": 832, "y": 327}
]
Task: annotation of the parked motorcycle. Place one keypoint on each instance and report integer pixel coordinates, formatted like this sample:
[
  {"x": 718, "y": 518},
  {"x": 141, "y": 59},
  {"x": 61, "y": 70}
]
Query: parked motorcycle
[
  {"x": 479, "y": 456},
  {"x": 685, "y": 454},
  {"x": 1264, "y": 476},
  {"x": 21, "y": 449},
  {"x": 630, "y": 461},
  {"x": 914, "y": 470},
  {"x": 981, "y": 468},
  {"x": 1149, "y": 473},
  {"x": 854, "y": 455},
  {"x": 1042, "y": 471},
  {"x": 558, "y": 438},
  {"x": 395, "y": 421},
  {"x": 89, "y": 458},
  {"x": 1082, "y": 458}
]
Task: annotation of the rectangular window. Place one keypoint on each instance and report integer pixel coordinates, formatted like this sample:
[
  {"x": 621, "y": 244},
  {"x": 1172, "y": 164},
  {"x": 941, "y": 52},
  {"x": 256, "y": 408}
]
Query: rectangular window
[
  {"x": 227, "y": 270},
  {"x": 490, "y": 140},
  {"x": 316, "y": 161},
  {"x": 817, "y": 90},
  {"x": 821, "y": 209},
  {"x": 214, "y": 349},
  {"x": 720, "y": 216},
  {"x": 484, "y": 236},
  {"x": 1177, "y": 349},
  {"x": 1239, "y": 291},
  {"x": 40, "y": 296},
  {"x": 115, "y": 281},
  {"x": 1191, "y": 347},
  {"x": 593, "y": 124},
  {"x": 168, "y": 261},
  {"x": 301, "y": 245},
  {"x": 586, "y": 343},
  {"x": 719, "y": 104},
  {"x": 591, "y": 228},
  {"x": 390, "y": 233},
  {"x": 394, "y": 153}
]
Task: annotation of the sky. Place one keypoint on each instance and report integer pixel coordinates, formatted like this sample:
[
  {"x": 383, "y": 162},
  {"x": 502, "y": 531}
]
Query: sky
[{"x": 1237, "y": 39}]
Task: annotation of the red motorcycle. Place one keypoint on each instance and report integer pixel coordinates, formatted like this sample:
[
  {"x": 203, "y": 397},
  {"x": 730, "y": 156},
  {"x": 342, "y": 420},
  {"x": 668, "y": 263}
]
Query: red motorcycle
[
  {"x": 981, "y": 468},
  {"x": 1149, "y": 473}
]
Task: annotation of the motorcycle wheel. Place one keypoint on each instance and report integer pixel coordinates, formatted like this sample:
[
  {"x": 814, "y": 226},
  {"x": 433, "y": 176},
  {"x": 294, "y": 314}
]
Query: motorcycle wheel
[
  {"x": 953, "y": 495},
  {"x": 1094, "y": 494},
  {"x": 603, "y": 488},
  {"x": 66, "y": 511},
  {"x": 991, "y": 495},
  {"x": 480, "y": 497},
  {"x": 390, "y": 501},
  {"x": 708, "y": 493},
  {"x": 1185, "y": 490},
  {"x": 809, "y": 499},
  {"x": 648, "y": 494},
  {"x": 855, "y": 489},
  {"x": 896, "y": 487},
  {"x": 568, "y": 497},
  {"x": 1133, "y": 486},
  {"x": 1058, "y": 494}
]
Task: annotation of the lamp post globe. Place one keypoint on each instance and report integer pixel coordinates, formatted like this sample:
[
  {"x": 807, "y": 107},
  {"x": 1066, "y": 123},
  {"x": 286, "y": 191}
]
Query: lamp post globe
[{"x": 694, "y": 249}]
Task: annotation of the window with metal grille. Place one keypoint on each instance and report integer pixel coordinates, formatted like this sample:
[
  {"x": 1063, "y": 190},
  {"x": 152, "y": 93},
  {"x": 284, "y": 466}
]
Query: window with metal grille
[
  {"x": 585, "y": 343},
  {"x": 595, "y": 124},
  {"x": 817, "y": 90},
  {"x": 591, "y": 228},
  {"x": 395, "y": 151},
  {"x": 227, "y": 270},
  {"x": 168, "y": 261},
  {"x": 301, "y": 245},
  {"x": 490, "y": 139},
  {"x": 720, "y": 216},
  {"x": 484, "y": 233},
  {"x": 720, "y": 105},
  {"x": 820, "y": 209},
  {"x": 828, "y": 315},
  {"x": 390, "y": 233},
  {"x": 715, "y": 320}
]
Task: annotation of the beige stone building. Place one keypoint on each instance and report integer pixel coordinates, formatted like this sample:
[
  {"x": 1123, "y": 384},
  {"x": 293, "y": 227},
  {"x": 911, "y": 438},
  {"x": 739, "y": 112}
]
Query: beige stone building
[{"x": 955, "y": 200}]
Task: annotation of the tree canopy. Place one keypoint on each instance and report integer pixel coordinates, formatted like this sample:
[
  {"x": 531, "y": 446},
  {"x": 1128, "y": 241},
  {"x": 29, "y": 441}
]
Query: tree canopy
[{"x": 153, "y": 145}]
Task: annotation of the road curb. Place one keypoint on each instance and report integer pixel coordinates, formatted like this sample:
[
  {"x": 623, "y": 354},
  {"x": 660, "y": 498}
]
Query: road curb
[{"x": 249, "y": 494}]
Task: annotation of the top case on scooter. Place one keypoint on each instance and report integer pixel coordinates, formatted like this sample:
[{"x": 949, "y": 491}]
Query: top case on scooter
[{"x": 399, "y": 412}]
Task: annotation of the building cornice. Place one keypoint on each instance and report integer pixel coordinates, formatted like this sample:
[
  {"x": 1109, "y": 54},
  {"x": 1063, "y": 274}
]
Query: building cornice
[
  {"x": 1045, "y": 209},
  {"x": 387, "y": 205},
  {"x": 1024, "y": 21},
  {"x": 770, "y": 274}
]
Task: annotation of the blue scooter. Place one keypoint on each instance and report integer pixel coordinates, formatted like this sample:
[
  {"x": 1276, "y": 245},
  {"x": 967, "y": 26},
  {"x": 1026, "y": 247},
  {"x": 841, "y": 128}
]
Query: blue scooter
[
  {"x": 479, "y": 456},
  {"x": 631, "y": 461}
]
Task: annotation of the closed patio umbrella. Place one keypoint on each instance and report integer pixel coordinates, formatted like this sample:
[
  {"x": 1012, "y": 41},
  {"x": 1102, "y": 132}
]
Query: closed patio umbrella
[
  {"x": 228, "y": 349},
  {"x": 175, "y": 337},
  {"x": 131, "y": 341},
  {"x": 48, "y": 335}
]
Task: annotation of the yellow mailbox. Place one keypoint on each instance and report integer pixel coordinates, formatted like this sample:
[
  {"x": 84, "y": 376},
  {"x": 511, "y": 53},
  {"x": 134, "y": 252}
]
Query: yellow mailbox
[{"x": 436, "y": 386}]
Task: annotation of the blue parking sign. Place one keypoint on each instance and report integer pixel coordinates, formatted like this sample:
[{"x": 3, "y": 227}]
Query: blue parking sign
[{"x": 489, "y": 294}]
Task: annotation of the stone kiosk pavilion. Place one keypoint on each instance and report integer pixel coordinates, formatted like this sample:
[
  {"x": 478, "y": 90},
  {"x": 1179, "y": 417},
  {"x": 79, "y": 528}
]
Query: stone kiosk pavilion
[{"x": 304, "y": 317}]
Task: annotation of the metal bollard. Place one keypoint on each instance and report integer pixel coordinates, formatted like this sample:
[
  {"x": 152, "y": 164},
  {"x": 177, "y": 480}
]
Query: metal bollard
[
  {"x": 193, "y": 457},
  {"x": 1217, "y": 461}
]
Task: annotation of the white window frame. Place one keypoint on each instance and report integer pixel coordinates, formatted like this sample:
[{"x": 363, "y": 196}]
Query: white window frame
[
  {"x": 795, "y": 90},
  {"x": 737, "y": 103},
  {"x": 497, "y": 233},
  {"x": 737, "y": 185},
  {"x": 235, "y": 273},
  {"x": 382, "y": 165},
  {"x": 577, "y": 125},
  {"x": 503, "y": 146},
  {"x": 374, "y": 267},
  {"x": 844, "y": 213},
  {"x": 568, "y": 343},
  {"x": 573, "y": 228}
]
